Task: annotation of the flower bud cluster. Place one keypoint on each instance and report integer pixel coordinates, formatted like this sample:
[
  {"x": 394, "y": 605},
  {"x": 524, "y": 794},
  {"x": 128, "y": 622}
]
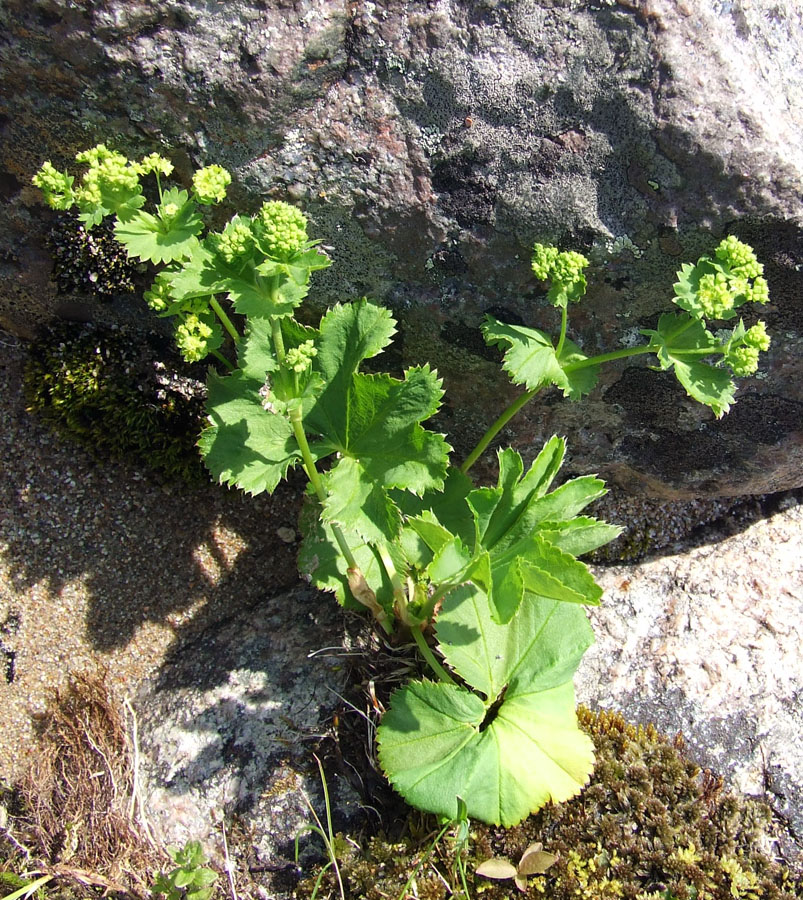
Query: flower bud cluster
[
  {"x": 739, "y": 257},
  {"x": 209, "y": 184},
  {"x": 283, "y": 228},
  {"x": 193, "y": 337},
  {"x": 234, "y": 241},
  {"x": 715, "y": 295},
  {"x": 564, "y": 270},
  {"x": 743, "y": 356},
  {"x": 55, "y": 185},
  {"x": 299, "y": 358},
  {"x": 153, "y": 162},
  {"x": 158, "y": 295}
]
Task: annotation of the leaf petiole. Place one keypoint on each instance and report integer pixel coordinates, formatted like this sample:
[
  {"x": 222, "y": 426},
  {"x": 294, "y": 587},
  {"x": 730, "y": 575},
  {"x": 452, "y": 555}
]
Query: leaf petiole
[
  {"x": 224, "y": 319},
  {"x": 429, "y": 656},
  {"x": 507, "y": 414},
  {"x": 221, "y": 358}
]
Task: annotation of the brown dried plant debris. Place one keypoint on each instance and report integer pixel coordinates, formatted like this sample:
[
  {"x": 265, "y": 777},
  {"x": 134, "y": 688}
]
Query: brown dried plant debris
[{"x": 78, "y": 801}]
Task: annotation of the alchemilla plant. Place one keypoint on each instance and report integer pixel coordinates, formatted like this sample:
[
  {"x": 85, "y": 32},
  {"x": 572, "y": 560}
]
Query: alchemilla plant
[{"x": 486, "y": 579}]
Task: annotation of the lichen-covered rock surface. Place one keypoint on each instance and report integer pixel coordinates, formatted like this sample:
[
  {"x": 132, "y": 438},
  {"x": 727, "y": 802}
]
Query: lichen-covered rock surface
[
  {"x": 431, "y": 143},
  {"x": 229, "y": 729},
  {"x": 706, "y": 642}
]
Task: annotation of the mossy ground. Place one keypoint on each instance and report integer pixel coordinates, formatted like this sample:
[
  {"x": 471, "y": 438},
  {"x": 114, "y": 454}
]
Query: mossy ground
[
  {"x": 649, "y": 826},
  {"x": 121, "y": 394}
]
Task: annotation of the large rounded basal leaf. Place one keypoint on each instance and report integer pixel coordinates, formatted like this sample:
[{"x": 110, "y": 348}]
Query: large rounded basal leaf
[{"x": 512, "y": 750}]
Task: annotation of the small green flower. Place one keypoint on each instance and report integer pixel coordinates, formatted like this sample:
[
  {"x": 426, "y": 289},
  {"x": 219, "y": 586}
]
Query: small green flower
[
  {"x": 193, "y": 338},
  {"x": 759, "y": 291},
  {"x": 568, "y": 268},
  {"x": 209, "y": 184},
  {"x": 543, "y": 260},
  {"x": 564, "y": 270},
  {"x": 757, "y": 337},
  {"x": 283, "y": 228},
  {"x": 740, "y": 258},
  {"x": 743, "y": 359},
  {"x": 153, "y": 162},
  {"x": 55, "y": 185},
  {"x": 299, "y": 358},
  {"x": 234, "y": 241},
  {"x": 158, "y": 296},
  {"x": 716, "y": 296}
]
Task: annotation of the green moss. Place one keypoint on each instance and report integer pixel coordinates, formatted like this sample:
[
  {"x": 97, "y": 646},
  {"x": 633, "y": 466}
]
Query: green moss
[
  {"x": 109, "y": 389},
  {"x": 649, "y": 826}
]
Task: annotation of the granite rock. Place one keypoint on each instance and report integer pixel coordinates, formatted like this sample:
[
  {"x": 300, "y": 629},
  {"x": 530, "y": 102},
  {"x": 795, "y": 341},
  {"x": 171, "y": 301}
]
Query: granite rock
[
  {"x": 706, "y": 642},
  {"x": 229, "y": 729},
  {"x": 431, "y": 143}
]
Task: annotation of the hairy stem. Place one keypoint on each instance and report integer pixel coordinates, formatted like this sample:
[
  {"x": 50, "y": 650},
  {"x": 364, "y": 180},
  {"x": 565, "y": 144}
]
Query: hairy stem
[
  {"x": 357, "y": 584},
  {"x": 399, "y": 598},
  {"x": 278, "y": 338},
  {"x": 224, "y": 319},
  {"x": 507, "y": 414},
  {"x": 317, "y": 484},
  {"x": 429, "y": 656},
  {"x": 607, "y": 357}
]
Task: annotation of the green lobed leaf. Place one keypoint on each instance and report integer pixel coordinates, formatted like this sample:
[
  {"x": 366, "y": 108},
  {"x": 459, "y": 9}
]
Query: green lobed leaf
[
  {"x": 514, "y": 522},
  {"x": 322, "y": 563},
  {"x": 160, "y": 239},
  {"x": 276, "y": 296},
  {"x": 375, "y": 419},
  {"x": 196, "y": 275},
  {"x": 245, "y": 444},
  {"x": 447, "y": 506},
  {"x": 356, "y": 500},
  {"x": 435, "y": 743},
  {"x": 680, "y": 342},
  {"x": 530, "y": 359}
]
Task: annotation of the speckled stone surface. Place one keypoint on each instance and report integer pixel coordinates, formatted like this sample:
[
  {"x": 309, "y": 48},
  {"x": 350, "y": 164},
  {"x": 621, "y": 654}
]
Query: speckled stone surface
[
  {"x": 707, "y": 642},
  {"x": 230, "y": 727}
]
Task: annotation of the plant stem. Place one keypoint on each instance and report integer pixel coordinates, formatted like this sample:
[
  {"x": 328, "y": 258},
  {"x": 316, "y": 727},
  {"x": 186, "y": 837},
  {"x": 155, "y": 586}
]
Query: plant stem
[
  {"x": 317, "y": 484},
  {"x": 607, "y": 357},
  {"x": 399, "y": 598},
  {"x": 429, "y": 656},
  {"x": 564, "y": 320},
  {"x": 278, "y": 338},
  {"x": 225, "y": 320},
  {"x": 221, "y": 358},
  {"x": 498, "y": 425}
]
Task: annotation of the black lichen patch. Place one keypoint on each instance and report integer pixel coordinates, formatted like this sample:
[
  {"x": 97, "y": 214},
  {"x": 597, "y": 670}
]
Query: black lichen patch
[
  {"x": 649, "y": 826},
  {"x": 111, "y": 389},
  {"x": 89, "y": 260}
]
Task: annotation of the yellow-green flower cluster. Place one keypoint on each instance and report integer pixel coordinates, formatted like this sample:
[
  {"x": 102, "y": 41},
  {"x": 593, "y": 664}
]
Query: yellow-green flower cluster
[
  {"x": 153, "y": 162},
  {"x": 158, "y": 296},
  {"x": 110, "y": 179},
  {"x": 743, "y": 357},
  {"x": 715, "y": 294},
  {"x": 209, "y": 184},
  {"x": 739, "y": 257},
  {"x": 544, "y": 258},
  {"x": 299, "y": 358},
  {"x": 283, "y": 228},
  {"x": 192, "y": 337},
  {"x": 564, "y": 270},
  {"x": 234, "y": 241},
  {"x": 55, "y": 185}
]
